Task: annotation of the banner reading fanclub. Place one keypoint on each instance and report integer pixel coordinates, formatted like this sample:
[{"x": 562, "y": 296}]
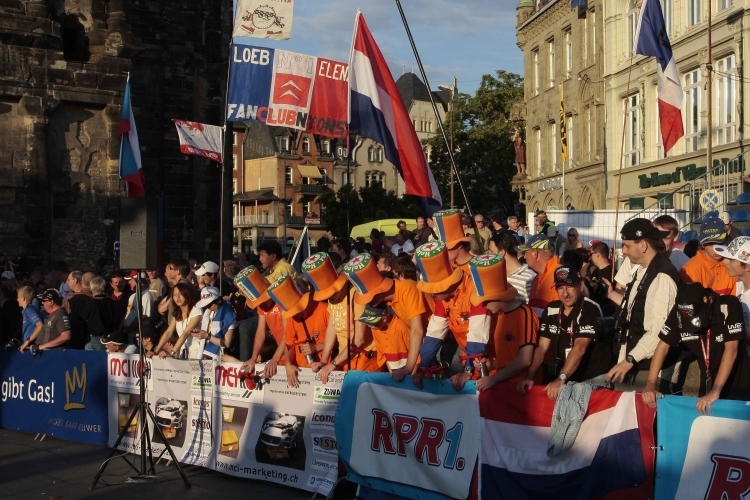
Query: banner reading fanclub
[{"x": 288, "y": 89}]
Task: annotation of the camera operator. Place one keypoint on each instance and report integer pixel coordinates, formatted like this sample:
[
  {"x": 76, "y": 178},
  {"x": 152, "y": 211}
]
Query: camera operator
[
  {"x": 571, "y": 326},
  {"x": 648, "y": 297}
]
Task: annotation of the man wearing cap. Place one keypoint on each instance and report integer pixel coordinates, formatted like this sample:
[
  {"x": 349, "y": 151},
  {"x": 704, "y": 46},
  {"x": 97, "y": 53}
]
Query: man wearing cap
[
  {"x": 407, "y": 302},
  {"x": 207, "y": 274},
  {"x": 732, "y": 232},
  {"x": 542, "y": 223},
  {"x": 273, "y": 262},
  {"x": 541, "y": 258},
  {"x": 456, "y": 310},
  {"x": 115, "y": 342},
  {"x": 217, "y": 324},
  {"x": 711, "y": 327},
  {"x": 571, "y": 326},
  {"x": 737, "y": 261},
  {"x": 56, "y": 331},
  {"x": 706, "y": 268},
  {"x": 648, "y": 298}
]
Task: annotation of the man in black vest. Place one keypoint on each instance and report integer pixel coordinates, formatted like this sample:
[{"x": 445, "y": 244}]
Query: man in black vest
[{"x": 648, "y": 298}]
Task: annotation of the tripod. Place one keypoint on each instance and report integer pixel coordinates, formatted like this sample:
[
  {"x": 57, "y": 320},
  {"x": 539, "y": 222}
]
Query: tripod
[{"x": 142, "y": 409}]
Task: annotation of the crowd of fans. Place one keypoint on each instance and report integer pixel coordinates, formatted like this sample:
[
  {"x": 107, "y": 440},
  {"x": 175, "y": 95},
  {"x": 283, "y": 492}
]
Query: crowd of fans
[{"x": 494, "y": 302}]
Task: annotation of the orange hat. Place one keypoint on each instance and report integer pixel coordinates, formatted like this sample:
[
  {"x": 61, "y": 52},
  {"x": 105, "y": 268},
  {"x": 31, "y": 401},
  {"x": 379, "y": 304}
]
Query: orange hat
[
  {"x": 490, "y": 279},
  {"x": 320, "y": 272},
  {"x": 450, "y": 230},
  {"x": 435, "y": 267},
  {"x": 253, "y": 286},
  {"x": 367, "y": 280},
  {"x": 288, "y": 297}
]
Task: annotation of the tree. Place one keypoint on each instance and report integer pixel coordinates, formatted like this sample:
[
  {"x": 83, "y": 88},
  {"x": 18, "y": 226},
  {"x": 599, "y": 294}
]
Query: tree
[{"x": 483, "y": 151}]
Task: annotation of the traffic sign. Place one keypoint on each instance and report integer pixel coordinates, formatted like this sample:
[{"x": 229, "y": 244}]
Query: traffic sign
[{"x": 711, "y": 199}]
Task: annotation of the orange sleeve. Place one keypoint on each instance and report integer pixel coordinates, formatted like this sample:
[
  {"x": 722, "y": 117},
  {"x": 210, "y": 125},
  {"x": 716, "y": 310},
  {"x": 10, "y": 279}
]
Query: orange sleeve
[{"x": 412, "y": 301}]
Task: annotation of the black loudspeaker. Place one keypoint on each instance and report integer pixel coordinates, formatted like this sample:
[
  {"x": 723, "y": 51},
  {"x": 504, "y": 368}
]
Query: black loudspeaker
[{"x": 138, "y": 233}]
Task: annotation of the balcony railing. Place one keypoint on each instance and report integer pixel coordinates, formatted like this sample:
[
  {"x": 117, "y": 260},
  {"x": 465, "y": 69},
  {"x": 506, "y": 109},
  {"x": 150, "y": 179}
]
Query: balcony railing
[
  {"x": 310, "y": 188},
  {"x": 264, "y": 219},
  {"x": 297, "y": 220}
]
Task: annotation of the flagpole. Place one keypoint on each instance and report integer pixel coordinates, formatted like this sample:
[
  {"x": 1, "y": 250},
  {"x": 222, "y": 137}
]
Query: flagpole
[
  {"x": 709, "y": 87},
  {"x": 222, "y": 173}
]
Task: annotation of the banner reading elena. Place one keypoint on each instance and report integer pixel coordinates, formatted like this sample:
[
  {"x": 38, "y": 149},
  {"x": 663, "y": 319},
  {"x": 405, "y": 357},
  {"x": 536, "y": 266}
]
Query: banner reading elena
[
  {"x": 704, "y": 456},
  {"x": 414, "y": 443},
  {"x": 58, "y": 393},
  {"x": 284, "y": 435},
  {"x": 288, "y": 89}
]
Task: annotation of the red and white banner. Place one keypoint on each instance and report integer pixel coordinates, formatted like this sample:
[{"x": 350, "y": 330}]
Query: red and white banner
[
  {"x": 200, "y": 139},
  {"x": 264, "y": 19}
]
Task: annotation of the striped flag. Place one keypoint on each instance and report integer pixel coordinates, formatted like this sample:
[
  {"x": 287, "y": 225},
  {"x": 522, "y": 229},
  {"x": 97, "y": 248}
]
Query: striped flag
[
  {"x": 377, "y": 112},
  {"x": 131, "y": 170},
  {"x": 651, "y": 39}
]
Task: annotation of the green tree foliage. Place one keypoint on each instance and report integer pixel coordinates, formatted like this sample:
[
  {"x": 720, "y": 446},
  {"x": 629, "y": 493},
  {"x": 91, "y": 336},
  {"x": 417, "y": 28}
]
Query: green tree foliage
[
  {"x": 367, "y": 205},
  {"x": 483, "y": 151}
]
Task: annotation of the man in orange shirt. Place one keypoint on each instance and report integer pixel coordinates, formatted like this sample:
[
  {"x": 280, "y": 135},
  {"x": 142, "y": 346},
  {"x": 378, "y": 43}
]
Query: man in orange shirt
[
  {"x": 540, "y": 257},
  {"x": 390, "y": 336},
  {"x": 706, "y": 267}
]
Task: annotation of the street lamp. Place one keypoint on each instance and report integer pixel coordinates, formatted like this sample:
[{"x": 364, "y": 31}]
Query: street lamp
[{"x": 452, "y": 89}]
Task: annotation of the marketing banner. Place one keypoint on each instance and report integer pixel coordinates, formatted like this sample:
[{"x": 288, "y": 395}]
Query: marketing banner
[
  {"x": 414, "y": 443},
  {"x": 124, "y": 395},
  {"x": 59, "y": 393},
  {"x": 287, "y": 437},
  {"x": 702, "y": 456},
  {"x": 283, "y": 88}
]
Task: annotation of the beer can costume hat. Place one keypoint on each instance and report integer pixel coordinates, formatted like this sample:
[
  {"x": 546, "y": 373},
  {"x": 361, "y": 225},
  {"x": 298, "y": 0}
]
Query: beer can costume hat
[
  {"x": 434, "y": 266},
  {"x": 366, "y": 279},
  {"x": 490, "y": 278},
  {"x": 288, "y": 297},
  {"x": 252, "y": 285},
  {"x": 449, "y": 227},
  {"x": 321, "y": 273}
]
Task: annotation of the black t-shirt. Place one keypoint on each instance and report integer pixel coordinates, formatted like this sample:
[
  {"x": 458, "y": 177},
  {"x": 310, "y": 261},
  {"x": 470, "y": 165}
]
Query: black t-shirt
[
  {"x": 726, "y": 325},
  {"x": 55, "y": 324},
  {"x": 98, "y": 314},
  {"x": 583, "y": 322}
]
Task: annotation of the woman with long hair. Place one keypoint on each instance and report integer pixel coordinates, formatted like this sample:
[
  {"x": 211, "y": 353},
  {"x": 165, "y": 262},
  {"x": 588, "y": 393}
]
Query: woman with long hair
[
  {"x": 573, "y": 241},
  {"x": 185, "y": 318}
]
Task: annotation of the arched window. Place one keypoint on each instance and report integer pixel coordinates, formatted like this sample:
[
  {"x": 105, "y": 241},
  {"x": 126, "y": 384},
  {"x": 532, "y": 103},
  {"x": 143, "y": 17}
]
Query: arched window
[
  {"x": 370, "y": 154},
  {"x": 305, "y": 145}
]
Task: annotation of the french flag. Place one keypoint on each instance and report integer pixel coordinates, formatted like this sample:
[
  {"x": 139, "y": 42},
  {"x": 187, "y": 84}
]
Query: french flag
[
  {"x": 610, "y": 457},
  {"x": 377, "y": 112},
  {"x": 651, "y": 40},
  {"x": 130, "y": 152}
]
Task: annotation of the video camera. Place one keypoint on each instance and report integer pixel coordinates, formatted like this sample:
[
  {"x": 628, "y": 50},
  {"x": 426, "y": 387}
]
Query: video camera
[
  {"x": 15, "y": 344},
  {"x": 616, "y": 328}
]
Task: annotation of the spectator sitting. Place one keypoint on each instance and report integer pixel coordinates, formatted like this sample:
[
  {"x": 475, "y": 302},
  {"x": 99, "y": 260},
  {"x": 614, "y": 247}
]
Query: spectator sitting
[
  {"x": 32, "y": 321},
  {"x": 402, "y": 245},
  {"x": 98, "y": 312}
]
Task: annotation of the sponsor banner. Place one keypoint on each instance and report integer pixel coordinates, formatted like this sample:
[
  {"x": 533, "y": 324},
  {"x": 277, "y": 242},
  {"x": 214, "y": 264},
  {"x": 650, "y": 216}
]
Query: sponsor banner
[
  {"x": 60, "y": 393},
  {"x": 283, "y": 88},
  {"x": 263, "y": 19},
  {"x": 703, "y": 456},
  {"x": 414, "y": 443},
  {"x": 285, "y": 435},
  {"x": 123, "y": 372},
  {"x": 200, "y": 139},
  {"x": 231, "y": 385}
]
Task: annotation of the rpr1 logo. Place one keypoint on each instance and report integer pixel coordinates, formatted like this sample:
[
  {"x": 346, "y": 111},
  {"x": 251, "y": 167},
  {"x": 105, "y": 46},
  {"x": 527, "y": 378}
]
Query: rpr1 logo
[
  {"x": 426, "y": 433},
  {"x": 730, "y": 479}
]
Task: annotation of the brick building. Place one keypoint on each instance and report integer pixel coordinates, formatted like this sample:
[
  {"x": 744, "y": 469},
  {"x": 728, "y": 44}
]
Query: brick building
[{"x": 63, "y": 67}]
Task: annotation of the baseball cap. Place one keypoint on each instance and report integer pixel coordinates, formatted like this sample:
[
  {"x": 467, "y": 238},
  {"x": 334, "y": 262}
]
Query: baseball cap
[
  {"x": 551, "y": 230},
  {"x": 134, "y": 274},
  {"x": 738, "y": 249},
  {"x": 693, "y": 302},
  {"x": 565, "y": 275},
  {"x": 8, "y": 275},
  {"x": 712, "y": 230},
  {"x": 541, "y": 213},
  {"x": 207, "y": 267},
  {"x": 725, "y": 217},
  {"x": 593, "y": 242},
  {"x": 51, "y": 294},
  {"x": 119, "y": 337},
  {"x": 639, "y": 228},
  {"x": 537, "y": 241},
  {"x": 371, "y": 316},
  {"x": 208, "y": 295}
]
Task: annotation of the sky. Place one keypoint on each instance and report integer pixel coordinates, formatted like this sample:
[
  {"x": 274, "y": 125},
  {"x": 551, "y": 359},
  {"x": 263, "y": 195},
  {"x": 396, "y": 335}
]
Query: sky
[{"x": 465, "y": 39}]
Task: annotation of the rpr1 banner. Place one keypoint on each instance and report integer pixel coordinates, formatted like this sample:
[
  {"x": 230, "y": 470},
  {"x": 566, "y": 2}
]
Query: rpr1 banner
[
  {"x": 58, "y": 393},
  {"x": 415, "y": 443},
  {"x": 703, "y": 456},
  {"x": 288, "y": 89}
]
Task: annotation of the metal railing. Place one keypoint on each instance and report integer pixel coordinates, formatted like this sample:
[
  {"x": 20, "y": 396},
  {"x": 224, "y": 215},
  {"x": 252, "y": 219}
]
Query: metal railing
[
  {"x": 263, "y": 219},
  {"x": 310, "y": 188}
]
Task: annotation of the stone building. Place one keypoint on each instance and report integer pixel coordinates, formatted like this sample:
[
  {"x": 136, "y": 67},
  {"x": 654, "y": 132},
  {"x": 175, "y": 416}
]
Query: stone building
[
  {"x": 651, "y": 178},
  {"x": 63, "y": 68},
  {"x": 560, "y": 49}
]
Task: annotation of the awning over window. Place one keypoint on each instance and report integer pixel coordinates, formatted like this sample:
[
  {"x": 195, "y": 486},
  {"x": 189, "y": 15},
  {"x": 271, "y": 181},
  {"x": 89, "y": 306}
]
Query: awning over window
[{"x": 309, "y": 171}]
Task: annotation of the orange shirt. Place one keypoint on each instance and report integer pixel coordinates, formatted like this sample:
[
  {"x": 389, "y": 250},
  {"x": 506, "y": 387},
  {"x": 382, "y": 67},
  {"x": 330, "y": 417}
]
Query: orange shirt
[
  {"x": 409, "y": 302},
  {"x": 510, "y": 332},
  {"x": 458, "y": 309},
  {"x": 274, "y": 323},
  {"x": 392, "y": 344},
  {"x": 709, "y": 273},
  {"x": 337, "y": 315},
  {"x": 544, "y": 292},
  {"x": 315, "y": 325}
]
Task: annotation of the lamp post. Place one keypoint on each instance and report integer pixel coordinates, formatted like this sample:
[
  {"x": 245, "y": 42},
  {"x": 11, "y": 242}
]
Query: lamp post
[{"x": 452, "y": 89}]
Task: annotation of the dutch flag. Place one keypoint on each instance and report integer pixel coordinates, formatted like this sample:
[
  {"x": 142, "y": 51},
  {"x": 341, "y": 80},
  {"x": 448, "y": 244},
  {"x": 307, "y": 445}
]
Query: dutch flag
[
  {"x": 377, "y": 112},
  {"x": 651, "y": 40},
  {"x": 130, "y": 152}
]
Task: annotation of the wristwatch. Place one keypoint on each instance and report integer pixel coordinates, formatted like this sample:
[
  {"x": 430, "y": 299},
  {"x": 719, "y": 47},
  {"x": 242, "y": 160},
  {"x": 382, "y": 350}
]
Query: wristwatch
[
  {"x": 630, "y": 359},
  {"x": 563, "y": 377},
  {"x": 468, "y": 369}
]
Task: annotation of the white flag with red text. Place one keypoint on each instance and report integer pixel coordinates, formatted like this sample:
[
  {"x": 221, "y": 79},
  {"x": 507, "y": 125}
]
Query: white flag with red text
[
  {"x": 264, "y": 19},
  {"x": 200, "y": 139}
]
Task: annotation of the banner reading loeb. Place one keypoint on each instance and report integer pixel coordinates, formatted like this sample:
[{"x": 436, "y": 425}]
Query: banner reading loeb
[
  {"x": 288, "y": 89},
  {"x": 416, "y": 444},
  {"x": 56, "y": 393}
]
